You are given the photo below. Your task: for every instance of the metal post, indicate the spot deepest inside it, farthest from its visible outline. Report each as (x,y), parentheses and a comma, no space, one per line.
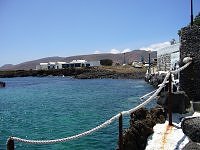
(191,5)
(132,115)
(10,144)
(120,133)
(124,59)
(149,62)
(170,99)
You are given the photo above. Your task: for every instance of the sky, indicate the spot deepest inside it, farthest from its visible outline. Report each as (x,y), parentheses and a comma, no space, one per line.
(33,29)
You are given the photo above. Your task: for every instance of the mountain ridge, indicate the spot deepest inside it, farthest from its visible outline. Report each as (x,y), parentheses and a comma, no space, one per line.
(134,55)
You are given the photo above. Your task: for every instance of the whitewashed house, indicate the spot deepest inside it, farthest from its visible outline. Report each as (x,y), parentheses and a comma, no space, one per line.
(42,66)
(78,63)
(59,65)
(51,65)
(38,67)
(136,64)
(94,63)
(64,65)
(84,63)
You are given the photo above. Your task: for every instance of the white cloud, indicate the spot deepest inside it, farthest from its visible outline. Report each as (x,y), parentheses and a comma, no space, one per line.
(152,47)
(156,46)
(97,52)
(126,50)
(114,51)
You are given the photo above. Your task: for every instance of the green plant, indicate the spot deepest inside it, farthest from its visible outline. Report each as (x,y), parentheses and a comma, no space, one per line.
(106,62)
(197,20)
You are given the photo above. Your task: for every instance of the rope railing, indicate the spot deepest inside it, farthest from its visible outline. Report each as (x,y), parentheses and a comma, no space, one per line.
(147,94)
(103,125)
(106,123)
(149,99)
(188,61)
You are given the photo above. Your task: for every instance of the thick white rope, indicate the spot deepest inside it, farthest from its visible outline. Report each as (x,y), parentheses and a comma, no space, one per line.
(182,68)
(103,125)
(147,94)
(106,123)
(149,99)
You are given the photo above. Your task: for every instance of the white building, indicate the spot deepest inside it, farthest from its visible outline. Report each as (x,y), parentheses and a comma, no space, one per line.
(46,66)
(168,57)
(59,65)
(64,65)
(84,63)
(78,63)
(38,67)
(42,66)
(137,64)
(51,65)
(94,63)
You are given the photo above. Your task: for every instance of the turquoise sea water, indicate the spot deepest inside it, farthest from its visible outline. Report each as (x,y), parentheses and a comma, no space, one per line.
(55,107)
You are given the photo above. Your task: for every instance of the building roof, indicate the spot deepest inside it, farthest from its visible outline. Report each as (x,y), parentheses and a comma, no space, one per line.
(61,62)
(43,63)
(52,63)
(78,61)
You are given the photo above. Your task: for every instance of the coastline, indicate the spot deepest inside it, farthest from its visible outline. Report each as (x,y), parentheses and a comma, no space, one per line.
(114,72)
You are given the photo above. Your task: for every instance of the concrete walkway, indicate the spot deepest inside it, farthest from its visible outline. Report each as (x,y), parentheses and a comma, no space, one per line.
(167,137)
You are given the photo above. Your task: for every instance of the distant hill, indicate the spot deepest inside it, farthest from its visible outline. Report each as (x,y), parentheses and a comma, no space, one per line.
(4,67)
(134,55)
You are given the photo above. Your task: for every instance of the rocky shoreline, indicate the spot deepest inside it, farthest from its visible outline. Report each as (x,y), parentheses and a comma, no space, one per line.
(81,73)
(141,127)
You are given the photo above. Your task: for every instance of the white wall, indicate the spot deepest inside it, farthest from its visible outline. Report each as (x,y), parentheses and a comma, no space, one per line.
(168,49)
(94,63)
(59,65)
(167,57)
(44,66)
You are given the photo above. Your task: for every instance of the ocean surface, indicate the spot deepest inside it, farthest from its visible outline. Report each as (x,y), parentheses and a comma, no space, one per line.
(57,107)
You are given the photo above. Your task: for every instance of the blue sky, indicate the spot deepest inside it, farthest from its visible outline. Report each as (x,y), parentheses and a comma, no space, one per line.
(33,29)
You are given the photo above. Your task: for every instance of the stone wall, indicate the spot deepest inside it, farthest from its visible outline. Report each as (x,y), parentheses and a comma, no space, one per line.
(190,46)
(164,62)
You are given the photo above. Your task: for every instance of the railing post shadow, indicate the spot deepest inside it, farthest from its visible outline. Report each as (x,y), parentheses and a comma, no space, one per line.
(170,99)
(120,132)
(10,144)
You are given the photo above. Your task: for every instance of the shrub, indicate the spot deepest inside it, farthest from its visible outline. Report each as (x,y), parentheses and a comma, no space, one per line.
(106,62)
(197,20)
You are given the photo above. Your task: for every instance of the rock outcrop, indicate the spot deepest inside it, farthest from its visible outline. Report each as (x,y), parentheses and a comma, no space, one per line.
(191,128)
(180,101)
(114,73)
(82,73)
(141,126)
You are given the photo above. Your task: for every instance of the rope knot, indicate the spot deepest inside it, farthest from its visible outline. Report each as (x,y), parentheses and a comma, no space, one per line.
(187,59)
